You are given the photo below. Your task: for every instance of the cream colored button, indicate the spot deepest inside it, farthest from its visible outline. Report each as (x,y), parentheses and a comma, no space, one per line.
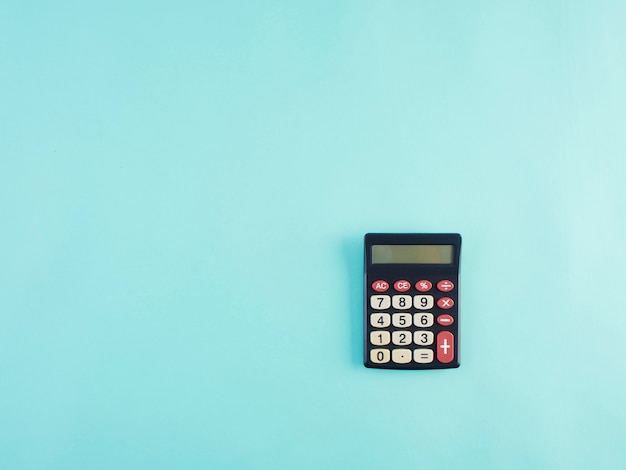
(380,320)
(380,302)
(402,338)
(423,320)
(402,320)
(380,338)
(401,356)
(423,302)
(424,338)
(379,356)
(423,356)
(401,302)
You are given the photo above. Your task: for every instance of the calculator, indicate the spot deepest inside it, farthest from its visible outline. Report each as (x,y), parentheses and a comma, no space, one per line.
(411,304)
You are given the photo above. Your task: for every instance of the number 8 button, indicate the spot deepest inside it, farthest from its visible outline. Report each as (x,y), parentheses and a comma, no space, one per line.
(401,302)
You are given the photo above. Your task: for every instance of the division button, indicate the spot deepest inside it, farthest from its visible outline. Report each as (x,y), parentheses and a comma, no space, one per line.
(380,285)
(423,285)
(445,320)
(445,303)
(402,285)
(445,347)
(445,285)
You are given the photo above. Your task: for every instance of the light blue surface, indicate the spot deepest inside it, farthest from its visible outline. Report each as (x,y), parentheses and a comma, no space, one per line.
(184,188)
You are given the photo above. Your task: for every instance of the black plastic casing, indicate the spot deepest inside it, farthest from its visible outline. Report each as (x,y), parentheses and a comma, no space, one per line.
(413,273)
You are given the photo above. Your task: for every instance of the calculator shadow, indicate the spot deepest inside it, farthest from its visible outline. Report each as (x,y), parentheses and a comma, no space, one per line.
(353,256)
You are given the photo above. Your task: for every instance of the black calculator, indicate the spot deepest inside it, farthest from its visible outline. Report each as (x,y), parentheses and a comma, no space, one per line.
(411,300)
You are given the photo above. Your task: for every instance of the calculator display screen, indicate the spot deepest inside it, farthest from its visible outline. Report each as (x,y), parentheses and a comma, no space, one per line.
(412,254)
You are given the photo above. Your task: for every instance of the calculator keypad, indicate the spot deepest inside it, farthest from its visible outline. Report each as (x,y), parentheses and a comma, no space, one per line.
(412,325)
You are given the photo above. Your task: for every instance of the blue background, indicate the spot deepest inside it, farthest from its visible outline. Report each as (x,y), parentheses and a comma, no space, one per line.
(184,188)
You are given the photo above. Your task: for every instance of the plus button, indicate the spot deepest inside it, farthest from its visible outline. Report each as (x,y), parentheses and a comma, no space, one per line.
(445,347)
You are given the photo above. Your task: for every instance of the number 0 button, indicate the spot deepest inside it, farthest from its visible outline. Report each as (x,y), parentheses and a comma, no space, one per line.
(380,356)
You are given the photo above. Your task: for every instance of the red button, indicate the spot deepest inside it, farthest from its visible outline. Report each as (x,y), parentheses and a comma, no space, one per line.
(445,347)
(402,286)
(423,285)
(380,286)
(445,285)
(445,320)
(445,302)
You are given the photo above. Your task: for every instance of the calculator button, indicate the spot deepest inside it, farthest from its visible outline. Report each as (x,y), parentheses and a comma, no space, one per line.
(401,356)
(401,338)
(401,302)
(423,302)
(380,286)
(423,356)
(423,285)
(445,302)
(445,347)
(402,286)
(423,320)
(380,356)
(445,285)
(424,338)
(402,320)
(380,320)
(445,320)
(380,302)
(380,338)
